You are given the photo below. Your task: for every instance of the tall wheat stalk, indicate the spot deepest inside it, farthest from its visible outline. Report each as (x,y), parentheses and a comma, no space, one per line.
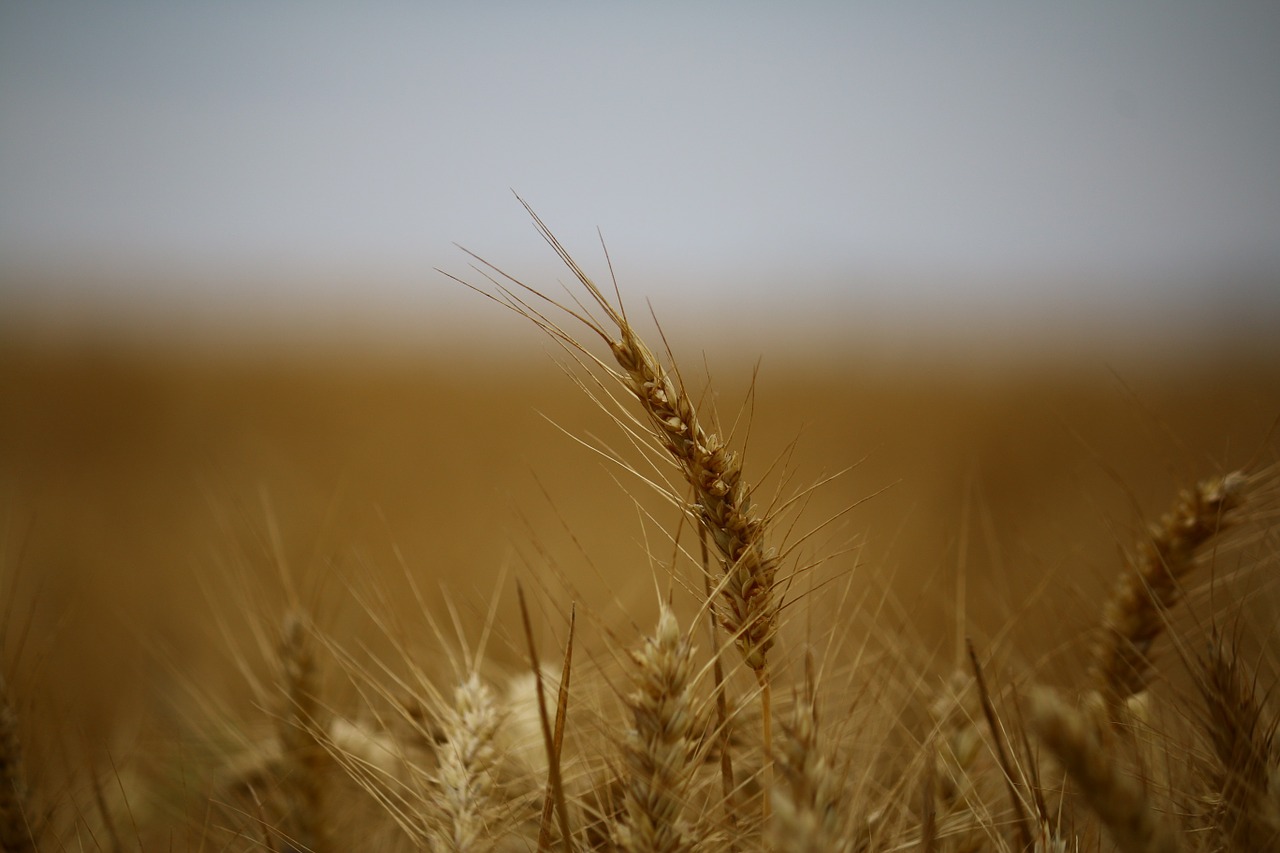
(722,503)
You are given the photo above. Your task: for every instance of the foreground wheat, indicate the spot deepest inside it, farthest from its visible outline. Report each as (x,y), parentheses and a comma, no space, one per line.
(721,504)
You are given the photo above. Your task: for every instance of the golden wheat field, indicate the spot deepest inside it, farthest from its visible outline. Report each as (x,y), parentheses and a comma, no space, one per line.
(795,601)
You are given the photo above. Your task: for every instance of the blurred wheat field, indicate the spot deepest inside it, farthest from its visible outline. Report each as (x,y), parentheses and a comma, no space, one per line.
(155,499)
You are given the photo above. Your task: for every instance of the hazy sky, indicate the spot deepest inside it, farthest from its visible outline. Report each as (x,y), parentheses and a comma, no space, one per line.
(821,143)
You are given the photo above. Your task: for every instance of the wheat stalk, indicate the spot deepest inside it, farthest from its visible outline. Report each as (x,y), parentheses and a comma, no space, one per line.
(722,504)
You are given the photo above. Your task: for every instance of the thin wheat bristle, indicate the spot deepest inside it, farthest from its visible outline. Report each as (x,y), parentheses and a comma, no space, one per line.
(1135,614)
(958,741)
(1078,741)
(662,743)
(552,736)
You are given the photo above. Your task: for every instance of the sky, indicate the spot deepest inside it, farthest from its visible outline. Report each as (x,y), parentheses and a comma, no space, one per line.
(939,154)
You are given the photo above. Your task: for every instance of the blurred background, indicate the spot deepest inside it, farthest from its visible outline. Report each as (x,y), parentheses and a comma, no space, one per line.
(856,164)
(1019,261)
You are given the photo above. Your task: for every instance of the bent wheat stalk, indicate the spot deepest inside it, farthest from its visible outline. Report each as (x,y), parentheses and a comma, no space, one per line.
(721,505)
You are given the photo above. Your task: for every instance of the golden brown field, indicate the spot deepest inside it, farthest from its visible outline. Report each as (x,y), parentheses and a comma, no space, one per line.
(177,523)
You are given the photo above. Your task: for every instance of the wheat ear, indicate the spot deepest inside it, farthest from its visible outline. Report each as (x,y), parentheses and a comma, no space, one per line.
(1135,614)
(1078,740)
(1247,814)
(806,813)
(662,743)
(467,803)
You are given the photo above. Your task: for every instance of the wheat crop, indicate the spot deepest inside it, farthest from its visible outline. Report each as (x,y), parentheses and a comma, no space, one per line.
(809,717)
